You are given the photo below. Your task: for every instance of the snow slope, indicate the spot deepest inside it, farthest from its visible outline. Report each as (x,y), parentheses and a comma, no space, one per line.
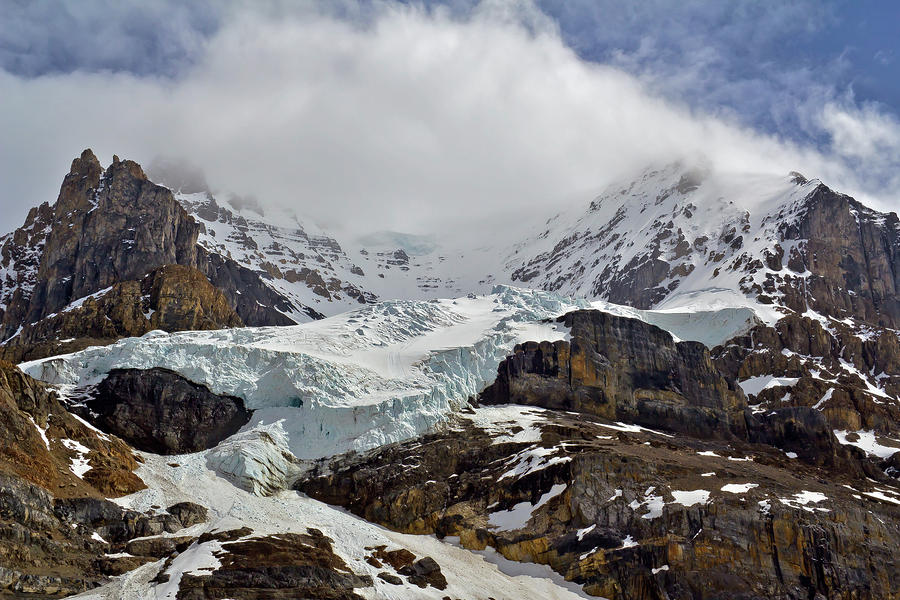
(673,238)
(468,574)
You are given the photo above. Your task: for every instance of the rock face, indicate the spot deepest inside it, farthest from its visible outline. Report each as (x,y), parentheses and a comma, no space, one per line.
(850,374)
(853,256)
(288,565)
(112,227)
(107,227)
(632,514)
(42,443)
(622,368)
(171,298)
(157,410)
(49,459)
(625,369)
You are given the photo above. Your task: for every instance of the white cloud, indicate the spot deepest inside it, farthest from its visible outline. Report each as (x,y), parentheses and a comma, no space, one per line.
(407,121)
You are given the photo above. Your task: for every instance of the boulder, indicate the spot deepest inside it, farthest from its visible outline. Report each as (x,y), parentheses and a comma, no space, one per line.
(157,410)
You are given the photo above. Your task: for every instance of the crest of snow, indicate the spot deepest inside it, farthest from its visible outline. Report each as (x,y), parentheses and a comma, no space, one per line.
(803,498)
(866,440)
(754,385)
(791,454)
(372,376)
(738,488)
(708,453)
(631,428)
(97,537)
(79,464)
(616,494)
(583,532)
(519,515)
(660,569)
(690,498)
(825,398)
(710,474)
(629,542)
(710,327)
(532,460)
(765,506)
(42,432)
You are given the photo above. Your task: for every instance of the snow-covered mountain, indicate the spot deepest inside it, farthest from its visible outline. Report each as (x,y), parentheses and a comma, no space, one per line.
(674,237)
(682,366)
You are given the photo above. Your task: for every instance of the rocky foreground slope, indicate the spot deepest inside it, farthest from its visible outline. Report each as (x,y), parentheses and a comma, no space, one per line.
(648,477)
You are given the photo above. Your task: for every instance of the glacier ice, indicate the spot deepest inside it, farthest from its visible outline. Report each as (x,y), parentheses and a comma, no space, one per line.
(375,375)
(372,376)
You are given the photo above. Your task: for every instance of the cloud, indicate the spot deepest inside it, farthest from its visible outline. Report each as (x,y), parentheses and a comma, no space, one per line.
(396,117)
(158,37)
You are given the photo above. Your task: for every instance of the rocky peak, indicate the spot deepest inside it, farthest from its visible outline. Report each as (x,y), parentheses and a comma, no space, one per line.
(852,254)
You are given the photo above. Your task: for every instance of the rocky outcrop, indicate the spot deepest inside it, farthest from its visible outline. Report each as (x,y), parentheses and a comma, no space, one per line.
(170,298)
(287,565)
(158,410)
(622,368)
(49,460)
(42,443)
(112,227)
(628,370)
(850,373)
(632,514)
(852,255)
(108,227)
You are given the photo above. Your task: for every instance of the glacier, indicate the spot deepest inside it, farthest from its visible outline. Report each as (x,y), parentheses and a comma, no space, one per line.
(375,375)
(372,376)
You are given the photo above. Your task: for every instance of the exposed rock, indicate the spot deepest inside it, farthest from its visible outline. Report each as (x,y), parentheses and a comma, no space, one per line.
(622,368)
(158,547)
(287,565)
(170,298)
(850,372)
(112,227)
(157,410)
(188,513)
(632,515)
(41,442)
(391,579)
(853,254)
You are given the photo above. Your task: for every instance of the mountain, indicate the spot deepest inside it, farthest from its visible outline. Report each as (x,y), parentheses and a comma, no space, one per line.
(686,388)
